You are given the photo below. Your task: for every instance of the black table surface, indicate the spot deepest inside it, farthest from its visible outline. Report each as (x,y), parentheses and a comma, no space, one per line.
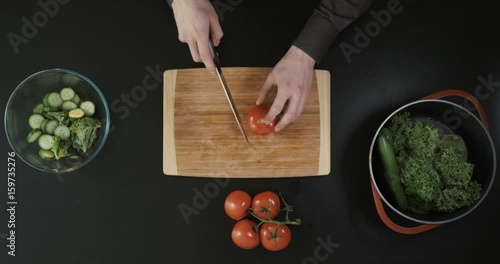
(121,208)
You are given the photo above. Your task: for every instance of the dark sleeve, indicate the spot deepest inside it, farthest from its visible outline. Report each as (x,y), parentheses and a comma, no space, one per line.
(170,2)
(327,21)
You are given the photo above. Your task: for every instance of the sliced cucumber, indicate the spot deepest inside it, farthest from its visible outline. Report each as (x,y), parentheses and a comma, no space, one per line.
(51,126)
(54,100)
(46,141)
(88,108)
(34,135)
(43,124)
(76,113)
(35,120)
(62,132)
(69,105)
(38,109)
(67,93)
(46,154)
(76,99)
(45,100)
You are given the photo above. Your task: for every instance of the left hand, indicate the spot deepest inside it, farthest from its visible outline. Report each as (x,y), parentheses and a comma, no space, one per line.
(293,76)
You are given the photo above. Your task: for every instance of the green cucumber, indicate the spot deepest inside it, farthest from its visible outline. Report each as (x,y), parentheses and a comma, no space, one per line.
(34,135)
(76,99)
(392,174)
(54,100)
(38,109)
(62,132)
(88,108)
(46,154)
(46,141)
(68,105)
(67,93)
(51,126)
(35,120)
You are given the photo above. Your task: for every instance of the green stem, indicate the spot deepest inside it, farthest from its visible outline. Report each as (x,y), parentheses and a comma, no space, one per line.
(287,222)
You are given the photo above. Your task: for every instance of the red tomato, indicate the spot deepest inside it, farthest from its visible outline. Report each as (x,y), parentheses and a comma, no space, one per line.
(266,205)
(245,234)
(275,237)
(237,204)
(255,120)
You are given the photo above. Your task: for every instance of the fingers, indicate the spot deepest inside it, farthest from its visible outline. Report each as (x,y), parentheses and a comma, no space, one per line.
(193,48)
(292,113)
(216,32)
(276,107)
(265,89)
(206,55)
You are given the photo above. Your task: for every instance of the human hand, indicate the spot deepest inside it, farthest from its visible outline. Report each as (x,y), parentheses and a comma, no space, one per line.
(293,76)
(197,21)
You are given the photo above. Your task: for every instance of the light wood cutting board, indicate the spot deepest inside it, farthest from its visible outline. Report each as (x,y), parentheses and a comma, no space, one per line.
(201,137)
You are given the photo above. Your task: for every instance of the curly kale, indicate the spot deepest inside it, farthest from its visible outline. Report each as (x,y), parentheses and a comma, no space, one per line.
(435,172)
(84,132)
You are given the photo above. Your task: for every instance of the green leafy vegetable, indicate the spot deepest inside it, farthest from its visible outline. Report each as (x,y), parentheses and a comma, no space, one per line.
(83,133)
(434,169)
(60,147)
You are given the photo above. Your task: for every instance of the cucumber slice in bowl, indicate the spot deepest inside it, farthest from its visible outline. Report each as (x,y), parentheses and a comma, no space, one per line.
(51,126)
(67,93)
(88,108)
(46,154)
(62,132)
(34,135)
(54,100)
(35,121)
(46,141)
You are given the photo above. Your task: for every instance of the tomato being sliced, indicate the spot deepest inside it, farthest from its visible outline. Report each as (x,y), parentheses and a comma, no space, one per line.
(255,120)
(237,204)
(275,237)
(266,205)
(245,234)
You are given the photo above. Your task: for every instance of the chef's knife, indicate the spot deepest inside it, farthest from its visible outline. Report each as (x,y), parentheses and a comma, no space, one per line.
(226,89)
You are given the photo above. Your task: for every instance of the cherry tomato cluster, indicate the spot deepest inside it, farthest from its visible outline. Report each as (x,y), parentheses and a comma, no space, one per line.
(274,235)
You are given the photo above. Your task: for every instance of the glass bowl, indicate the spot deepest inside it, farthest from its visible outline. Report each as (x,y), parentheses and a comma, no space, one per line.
(20,107)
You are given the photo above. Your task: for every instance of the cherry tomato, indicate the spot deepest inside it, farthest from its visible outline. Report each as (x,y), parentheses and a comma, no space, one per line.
(255,120)
(245,234)
(275,237)
(266,205)
(237,204)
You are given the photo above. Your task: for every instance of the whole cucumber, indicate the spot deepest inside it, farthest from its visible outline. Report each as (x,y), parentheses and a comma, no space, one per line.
(391,167)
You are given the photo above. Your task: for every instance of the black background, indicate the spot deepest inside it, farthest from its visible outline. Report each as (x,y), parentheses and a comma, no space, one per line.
(121,208)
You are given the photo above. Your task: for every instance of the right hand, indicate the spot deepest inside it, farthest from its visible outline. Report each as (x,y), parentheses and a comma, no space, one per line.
(196,22)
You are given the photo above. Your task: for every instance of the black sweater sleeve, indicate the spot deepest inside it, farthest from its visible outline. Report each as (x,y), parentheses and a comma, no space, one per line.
(323,26)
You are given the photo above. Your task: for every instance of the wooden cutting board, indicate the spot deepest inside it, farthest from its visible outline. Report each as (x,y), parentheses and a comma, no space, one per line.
(201,137)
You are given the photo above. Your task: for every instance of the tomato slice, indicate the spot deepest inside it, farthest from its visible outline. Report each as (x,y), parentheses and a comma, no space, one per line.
(275,237)
(245,234)
(255,120)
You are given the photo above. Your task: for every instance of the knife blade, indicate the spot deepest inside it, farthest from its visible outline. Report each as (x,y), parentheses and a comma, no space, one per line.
(226,90)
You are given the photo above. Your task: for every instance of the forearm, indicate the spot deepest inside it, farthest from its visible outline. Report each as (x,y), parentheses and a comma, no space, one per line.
(327,21)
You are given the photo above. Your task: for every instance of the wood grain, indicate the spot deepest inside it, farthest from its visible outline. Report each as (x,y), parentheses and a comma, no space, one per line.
(202,139)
